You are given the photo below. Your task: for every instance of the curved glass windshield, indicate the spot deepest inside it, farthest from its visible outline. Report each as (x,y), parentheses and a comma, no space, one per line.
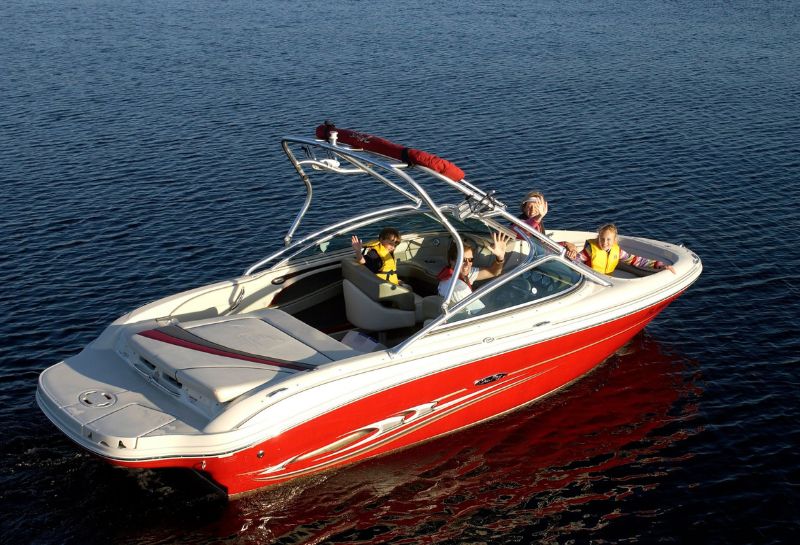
(407,223)
(541,282)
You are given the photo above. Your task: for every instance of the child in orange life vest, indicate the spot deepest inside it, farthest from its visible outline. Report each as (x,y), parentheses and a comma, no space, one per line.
(379,256)
(603,254)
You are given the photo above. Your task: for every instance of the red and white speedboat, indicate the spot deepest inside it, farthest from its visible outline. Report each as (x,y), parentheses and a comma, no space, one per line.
(308,361)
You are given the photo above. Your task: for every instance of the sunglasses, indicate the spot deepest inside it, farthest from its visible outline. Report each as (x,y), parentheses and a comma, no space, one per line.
(393,242)
(468,260)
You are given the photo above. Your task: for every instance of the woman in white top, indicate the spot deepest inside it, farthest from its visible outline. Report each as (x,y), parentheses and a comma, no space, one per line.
(467,272)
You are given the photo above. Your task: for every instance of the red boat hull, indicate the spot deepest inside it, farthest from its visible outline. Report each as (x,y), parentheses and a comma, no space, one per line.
(450,400)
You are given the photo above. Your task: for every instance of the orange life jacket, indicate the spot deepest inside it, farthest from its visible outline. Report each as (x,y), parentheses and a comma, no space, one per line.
(388,270)
(602,261)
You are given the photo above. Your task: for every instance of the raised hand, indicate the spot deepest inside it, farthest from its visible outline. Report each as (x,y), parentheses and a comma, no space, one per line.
(499,241)
(358,247)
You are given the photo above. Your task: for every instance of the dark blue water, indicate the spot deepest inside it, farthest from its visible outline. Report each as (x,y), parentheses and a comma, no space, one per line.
(139,156)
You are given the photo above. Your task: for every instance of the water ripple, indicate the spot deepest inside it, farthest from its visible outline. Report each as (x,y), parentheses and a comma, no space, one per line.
(139,156)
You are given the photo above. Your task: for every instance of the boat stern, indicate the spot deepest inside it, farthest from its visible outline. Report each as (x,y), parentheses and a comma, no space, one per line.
(98,410)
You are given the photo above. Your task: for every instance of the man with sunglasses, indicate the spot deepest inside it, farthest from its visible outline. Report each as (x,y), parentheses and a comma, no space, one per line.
(467,272)
(378,256)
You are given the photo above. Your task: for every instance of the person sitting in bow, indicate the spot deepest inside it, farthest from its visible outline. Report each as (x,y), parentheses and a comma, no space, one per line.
(534,209)
(378,256)
(603,254)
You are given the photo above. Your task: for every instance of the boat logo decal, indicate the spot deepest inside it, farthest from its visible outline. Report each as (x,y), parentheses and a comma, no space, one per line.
(490,378)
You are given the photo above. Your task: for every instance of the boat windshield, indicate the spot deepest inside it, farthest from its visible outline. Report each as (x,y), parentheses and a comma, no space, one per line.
(548,279)
(410,225)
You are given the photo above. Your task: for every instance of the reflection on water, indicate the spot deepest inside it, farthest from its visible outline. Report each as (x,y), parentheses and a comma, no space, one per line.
(542,463)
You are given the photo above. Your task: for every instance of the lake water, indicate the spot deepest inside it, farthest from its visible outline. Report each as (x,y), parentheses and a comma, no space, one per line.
(139,156)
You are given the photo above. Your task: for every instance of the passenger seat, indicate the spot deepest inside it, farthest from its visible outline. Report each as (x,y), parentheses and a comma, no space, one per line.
(373,304)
